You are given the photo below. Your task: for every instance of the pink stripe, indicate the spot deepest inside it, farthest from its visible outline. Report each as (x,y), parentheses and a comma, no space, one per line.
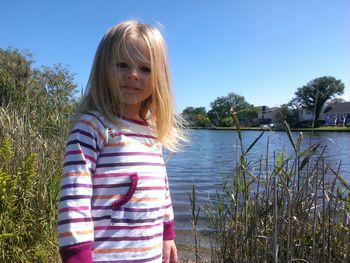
(111,175)
(80,152)
(90,158)
(129,154)
(125,227)
(75,208)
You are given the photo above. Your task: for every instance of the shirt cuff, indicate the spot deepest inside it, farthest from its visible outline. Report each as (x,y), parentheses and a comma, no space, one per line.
(169,231)
(77,253)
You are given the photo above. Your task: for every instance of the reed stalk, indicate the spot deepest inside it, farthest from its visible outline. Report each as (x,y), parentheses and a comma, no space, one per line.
(295,209)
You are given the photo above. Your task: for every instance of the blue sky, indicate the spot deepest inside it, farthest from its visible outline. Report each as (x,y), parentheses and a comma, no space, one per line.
(262,50)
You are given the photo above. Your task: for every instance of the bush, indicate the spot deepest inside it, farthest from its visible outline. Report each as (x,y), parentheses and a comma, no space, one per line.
(34,120)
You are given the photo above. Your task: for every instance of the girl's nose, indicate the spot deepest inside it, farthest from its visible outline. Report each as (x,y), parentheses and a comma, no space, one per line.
(132,73)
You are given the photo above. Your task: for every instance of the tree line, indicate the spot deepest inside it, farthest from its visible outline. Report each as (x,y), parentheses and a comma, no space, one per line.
(53,89)
(310,97)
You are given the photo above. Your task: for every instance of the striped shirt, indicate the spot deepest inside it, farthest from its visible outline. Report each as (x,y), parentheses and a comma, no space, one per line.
(115,204)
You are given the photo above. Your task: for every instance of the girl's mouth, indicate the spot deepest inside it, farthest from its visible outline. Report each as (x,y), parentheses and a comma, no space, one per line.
(130,88)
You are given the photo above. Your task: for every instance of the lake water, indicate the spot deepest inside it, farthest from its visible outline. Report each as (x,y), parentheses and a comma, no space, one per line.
(212,154)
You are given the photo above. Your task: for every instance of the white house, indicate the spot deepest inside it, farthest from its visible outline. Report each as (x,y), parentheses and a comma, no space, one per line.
(267,115)
(305,115)
(337,114)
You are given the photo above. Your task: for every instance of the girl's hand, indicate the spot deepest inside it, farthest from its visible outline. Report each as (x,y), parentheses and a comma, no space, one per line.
(169,251)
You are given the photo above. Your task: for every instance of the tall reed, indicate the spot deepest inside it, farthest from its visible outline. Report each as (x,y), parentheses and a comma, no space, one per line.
(286,207)
(30,170)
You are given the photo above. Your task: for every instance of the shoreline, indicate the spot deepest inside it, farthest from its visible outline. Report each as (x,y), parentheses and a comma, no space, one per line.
(186,249)
(320,129)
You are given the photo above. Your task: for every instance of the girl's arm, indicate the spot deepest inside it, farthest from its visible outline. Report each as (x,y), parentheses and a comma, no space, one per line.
(75,226)
(169,247)
(169,231)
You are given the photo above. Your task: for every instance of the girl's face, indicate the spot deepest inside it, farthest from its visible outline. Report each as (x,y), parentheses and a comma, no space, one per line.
(134,77)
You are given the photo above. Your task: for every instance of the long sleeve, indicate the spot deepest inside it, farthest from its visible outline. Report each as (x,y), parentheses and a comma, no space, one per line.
(75,226)
(169,231)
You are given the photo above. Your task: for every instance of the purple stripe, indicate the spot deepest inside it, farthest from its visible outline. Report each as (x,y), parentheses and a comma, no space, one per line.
(128,238)
(104,165)
(75,186)
(129,154)
(127,209)
(107,207)
(86,145)
(97,117)
(74,197)
(132,260)
(74,220)
(111,185)
(85,133)
(134,221)
(74,163)
(101,218)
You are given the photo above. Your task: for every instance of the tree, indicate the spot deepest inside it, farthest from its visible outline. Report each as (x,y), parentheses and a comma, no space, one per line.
(44,96)
(15,75)
(335,101)
(286,113)
(220,113)
(316,93)
(196,117)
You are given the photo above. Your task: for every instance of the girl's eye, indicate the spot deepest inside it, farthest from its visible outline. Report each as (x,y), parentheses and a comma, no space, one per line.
(122,65)
(145,69)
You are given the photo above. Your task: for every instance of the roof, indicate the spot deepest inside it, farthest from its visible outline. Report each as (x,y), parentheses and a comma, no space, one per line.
(340,107)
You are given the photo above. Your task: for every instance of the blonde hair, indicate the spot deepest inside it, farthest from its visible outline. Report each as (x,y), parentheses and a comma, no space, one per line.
(104,95)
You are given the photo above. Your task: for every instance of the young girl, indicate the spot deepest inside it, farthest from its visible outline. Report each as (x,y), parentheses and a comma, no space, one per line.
(115,204)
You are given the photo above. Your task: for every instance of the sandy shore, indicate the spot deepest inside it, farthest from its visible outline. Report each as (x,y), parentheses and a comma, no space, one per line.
(186,249)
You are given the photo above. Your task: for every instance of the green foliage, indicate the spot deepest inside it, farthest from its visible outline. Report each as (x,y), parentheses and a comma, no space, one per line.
(7,192)
(286,113)
(32,139)
(316,93)
(15,75)
(196,117)
(220,113)
(227,122)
